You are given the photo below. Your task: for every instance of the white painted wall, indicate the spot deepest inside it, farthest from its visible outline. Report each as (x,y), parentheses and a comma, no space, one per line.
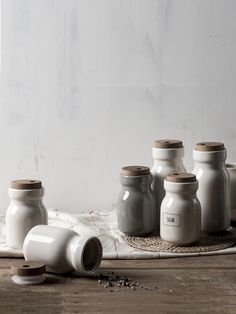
(87,85)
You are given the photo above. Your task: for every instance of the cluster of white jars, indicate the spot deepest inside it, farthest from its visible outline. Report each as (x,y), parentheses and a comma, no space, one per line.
(202,205)
(61,250)
(186,204)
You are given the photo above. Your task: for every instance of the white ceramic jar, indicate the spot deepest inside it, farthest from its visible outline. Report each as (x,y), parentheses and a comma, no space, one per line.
(168,158)
(25,211)
(136,206)
(180,210)
(62,250)
(213,192)
(232,173)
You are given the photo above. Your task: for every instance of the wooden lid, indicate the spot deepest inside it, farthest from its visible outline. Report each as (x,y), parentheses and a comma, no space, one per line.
(23,268)
(181,177)
(135,171)
(168,144)
(209,146)
(26,184)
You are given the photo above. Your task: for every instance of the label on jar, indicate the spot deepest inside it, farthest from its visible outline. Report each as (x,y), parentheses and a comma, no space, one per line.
(171,219)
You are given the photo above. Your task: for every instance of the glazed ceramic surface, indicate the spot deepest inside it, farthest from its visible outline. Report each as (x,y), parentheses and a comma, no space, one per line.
(232,172)
(136,210)
(166,161)
(180,213)
(213,191)
(28,280)
(25,211)
(62,250)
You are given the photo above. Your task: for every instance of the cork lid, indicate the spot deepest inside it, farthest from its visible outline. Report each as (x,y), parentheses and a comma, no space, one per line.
(181,177)
(209,146)
(135,171)
(168,144)
(26,184)
(23,268)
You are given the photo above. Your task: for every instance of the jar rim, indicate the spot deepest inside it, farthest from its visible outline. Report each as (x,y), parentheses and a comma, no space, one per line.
(181,178)
(209,146)
(168,144)
(26,184)
(134,171)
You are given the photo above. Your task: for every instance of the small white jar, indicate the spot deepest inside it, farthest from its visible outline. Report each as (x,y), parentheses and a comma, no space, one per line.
(232,172)
(25,211)
(213,192)
(180,210)
(168,158)
(62,250)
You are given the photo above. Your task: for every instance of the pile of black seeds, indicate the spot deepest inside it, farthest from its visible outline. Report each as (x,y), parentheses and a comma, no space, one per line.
(117,283)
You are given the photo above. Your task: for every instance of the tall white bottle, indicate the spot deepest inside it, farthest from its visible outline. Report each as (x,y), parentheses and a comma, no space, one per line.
(168,159)
(213,191)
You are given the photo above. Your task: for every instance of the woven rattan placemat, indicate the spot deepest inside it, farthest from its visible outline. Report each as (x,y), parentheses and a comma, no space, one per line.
(154,243)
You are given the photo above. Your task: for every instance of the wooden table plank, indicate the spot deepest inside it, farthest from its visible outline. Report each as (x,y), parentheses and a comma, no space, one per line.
(185,285)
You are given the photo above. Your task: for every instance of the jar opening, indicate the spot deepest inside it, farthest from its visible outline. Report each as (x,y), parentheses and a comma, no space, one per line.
(92,255)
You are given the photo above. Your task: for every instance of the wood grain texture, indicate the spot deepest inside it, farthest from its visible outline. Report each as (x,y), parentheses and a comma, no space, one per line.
(185,285)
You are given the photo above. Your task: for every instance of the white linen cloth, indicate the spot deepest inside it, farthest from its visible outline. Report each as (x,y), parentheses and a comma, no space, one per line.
(104,226)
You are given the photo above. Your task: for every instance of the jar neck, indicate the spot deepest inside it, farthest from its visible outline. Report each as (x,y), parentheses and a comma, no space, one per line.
(176,162)
(167,154)
(182,189)
(33,201)
(26,196)
(216,158)
(136,183)
(185,194)
(220,165)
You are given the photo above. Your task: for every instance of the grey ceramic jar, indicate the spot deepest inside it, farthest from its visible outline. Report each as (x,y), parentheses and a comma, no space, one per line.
(136,206)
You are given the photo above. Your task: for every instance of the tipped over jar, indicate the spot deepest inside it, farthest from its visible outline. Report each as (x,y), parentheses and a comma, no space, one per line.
(62,250)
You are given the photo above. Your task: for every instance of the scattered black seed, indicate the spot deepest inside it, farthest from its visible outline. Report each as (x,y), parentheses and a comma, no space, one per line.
(110,280)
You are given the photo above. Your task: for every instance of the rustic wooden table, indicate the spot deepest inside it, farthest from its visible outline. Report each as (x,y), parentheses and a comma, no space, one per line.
(178,285)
